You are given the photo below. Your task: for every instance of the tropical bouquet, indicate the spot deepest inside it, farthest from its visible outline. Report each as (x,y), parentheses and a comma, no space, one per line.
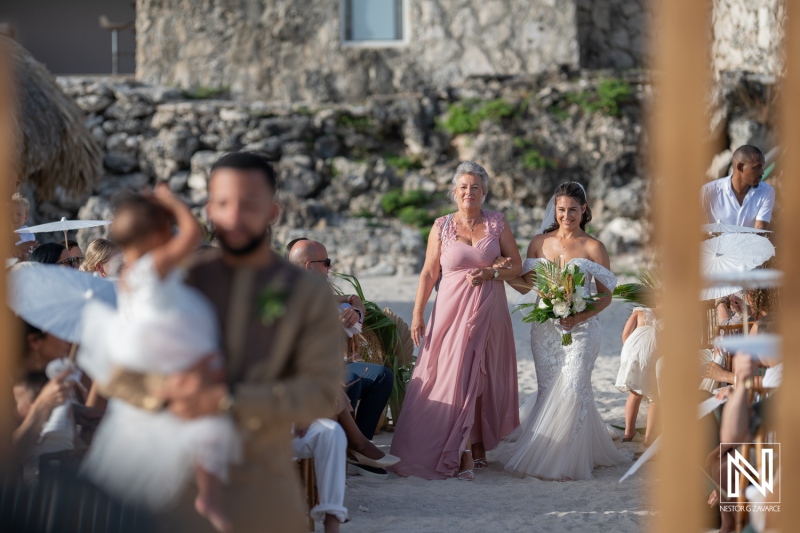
(562,292)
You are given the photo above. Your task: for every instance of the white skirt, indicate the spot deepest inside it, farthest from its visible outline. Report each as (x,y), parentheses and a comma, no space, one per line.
(147,458)
(637,366)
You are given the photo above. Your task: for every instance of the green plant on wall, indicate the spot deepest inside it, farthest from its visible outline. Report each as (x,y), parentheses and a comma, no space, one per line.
(531,158)
(607,97)
(465,116)
(402,162)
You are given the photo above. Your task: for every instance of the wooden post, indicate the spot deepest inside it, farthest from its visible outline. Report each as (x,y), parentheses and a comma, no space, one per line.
(679,156)
(8,348)
(788,433)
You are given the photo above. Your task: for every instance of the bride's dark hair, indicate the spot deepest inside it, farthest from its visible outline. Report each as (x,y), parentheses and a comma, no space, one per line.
(574,190)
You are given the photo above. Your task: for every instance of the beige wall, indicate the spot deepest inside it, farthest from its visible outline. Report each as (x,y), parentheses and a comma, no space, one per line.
(292,51)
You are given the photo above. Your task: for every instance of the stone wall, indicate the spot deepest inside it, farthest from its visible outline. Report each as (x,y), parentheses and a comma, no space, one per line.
(341,164)
(292,52)
(748,36)
(612,33)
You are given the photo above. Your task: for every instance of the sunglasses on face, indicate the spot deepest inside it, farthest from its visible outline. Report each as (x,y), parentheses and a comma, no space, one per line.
(72,262)
(327,262)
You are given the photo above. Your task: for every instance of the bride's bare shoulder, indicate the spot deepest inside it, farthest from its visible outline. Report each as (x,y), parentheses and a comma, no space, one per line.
(535,246)
(596,251)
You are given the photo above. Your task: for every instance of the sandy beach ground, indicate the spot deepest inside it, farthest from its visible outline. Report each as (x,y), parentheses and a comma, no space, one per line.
(497,501)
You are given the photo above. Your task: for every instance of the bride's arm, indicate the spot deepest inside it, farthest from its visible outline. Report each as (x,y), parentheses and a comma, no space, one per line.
(524,283)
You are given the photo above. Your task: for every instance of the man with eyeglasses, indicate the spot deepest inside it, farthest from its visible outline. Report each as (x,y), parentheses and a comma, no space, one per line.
(370,384)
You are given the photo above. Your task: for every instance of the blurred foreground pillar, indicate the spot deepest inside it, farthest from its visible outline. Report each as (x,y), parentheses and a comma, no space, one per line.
(679,155)
(8,348)
(788,251)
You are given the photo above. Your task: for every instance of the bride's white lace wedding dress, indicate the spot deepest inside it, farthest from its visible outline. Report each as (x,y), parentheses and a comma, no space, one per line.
(561,435)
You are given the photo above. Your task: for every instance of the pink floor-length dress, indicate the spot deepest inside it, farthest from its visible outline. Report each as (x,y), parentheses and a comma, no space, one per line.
(465,380)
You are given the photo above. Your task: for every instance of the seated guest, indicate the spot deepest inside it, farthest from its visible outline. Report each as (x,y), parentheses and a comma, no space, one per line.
(741,199)
(54,253)
(729,310)
(24,242)
(75,250)
(46,424)
(103,259)
(369,386)
(325,442)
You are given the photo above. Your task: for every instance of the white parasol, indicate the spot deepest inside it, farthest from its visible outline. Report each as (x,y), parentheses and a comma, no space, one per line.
(760,278)
(732,252)
(761,345)
(718,228)
(65,226)
(52,297)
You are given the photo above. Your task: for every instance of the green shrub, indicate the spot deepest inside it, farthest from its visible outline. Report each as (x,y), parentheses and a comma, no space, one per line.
(402,162)
(466,116)
(533,160)
(607,97)
(394,201)
(460,118)
(415,216)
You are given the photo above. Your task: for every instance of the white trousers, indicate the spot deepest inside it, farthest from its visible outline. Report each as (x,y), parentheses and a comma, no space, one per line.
(326,444)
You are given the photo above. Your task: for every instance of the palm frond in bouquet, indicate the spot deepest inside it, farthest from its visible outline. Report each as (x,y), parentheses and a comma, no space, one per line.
(562,292)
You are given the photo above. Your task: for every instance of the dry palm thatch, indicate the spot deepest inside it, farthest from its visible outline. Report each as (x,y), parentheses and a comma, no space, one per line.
(53,147)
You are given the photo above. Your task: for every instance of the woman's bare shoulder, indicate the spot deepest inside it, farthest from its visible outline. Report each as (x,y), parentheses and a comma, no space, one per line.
(536,244)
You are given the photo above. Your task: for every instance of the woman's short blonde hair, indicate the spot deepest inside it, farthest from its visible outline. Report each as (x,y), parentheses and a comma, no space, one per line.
(98,252)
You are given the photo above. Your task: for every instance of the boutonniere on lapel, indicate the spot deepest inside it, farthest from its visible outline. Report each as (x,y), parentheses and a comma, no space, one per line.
(271,303)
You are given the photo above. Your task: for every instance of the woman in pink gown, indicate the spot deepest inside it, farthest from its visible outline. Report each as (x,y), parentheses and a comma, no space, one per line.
(462,398)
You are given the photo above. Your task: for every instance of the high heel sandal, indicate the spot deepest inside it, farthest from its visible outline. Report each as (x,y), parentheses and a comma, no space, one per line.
(467,475)
(481,463)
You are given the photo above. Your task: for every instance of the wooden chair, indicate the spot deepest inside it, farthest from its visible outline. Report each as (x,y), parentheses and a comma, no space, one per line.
(733,329)
(309,480)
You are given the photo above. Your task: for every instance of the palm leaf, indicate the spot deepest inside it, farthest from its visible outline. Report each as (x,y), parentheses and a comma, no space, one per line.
(642,293)
(386,330)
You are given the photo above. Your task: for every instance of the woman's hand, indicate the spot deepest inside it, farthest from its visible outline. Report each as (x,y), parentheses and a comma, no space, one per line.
(478,275)
(54,393)
(503,263)
(348,318)
(571,321)
(417,330)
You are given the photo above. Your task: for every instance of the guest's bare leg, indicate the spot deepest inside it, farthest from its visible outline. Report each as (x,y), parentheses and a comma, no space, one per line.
(331,524)
(476,436)
(209,501)
(465,469)
(631,412)
(355,439)
(651,424)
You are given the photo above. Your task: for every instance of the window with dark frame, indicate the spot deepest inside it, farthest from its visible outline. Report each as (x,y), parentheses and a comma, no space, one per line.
(372,20)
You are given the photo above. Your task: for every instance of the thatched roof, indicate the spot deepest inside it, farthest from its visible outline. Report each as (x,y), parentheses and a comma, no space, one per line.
(53,147)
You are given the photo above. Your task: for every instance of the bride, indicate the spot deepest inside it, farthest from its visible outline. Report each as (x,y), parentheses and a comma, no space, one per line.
(561,435)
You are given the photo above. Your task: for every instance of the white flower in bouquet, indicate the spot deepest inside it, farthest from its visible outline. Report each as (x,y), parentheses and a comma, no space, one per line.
(578,304)
(572,269)
(561,309)
(582,291)
(542,304)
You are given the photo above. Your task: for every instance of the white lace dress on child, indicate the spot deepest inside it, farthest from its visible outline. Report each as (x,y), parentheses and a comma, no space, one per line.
(637,366)
(162,326)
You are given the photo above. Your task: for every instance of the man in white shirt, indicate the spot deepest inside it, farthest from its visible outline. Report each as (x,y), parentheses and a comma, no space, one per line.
(741,198)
